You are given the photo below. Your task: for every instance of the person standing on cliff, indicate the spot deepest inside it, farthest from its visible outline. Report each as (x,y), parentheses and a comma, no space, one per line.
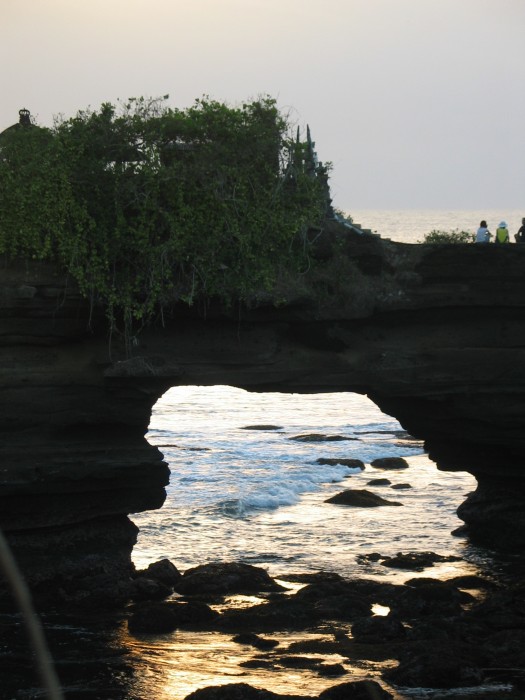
(520,236)
(502,233)
(483,234)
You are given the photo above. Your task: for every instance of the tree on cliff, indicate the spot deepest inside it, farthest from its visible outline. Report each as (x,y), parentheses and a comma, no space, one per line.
(146,204)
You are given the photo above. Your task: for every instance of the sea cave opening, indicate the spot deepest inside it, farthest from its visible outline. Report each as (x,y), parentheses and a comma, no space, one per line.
(251,474)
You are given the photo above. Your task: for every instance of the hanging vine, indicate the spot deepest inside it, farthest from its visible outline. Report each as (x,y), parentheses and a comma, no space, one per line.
(146,205)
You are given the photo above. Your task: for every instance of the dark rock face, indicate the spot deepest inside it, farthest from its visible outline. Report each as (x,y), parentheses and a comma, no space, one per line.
(435,335)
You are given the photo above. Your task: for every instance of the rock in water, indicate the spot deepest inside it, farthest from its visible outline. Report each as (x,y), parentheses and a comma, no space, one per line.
(361,498)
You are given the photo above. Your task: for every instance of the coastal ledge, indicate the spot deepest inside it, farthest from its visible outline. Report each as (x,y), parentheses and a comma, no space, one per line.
(433,334)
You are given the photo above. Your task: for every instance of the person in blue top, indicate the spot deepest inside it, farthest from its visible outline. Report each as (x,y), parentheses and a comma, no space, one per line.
(502,233)
(483,234)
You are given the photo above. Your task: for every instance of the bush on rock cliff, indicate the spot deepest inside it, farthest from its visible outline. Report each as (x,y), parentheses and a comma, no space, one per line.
(145,204)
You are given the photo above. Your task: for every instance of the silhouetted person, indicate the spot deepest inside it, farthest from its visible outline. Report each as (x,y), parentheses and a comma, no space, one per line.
(483,234)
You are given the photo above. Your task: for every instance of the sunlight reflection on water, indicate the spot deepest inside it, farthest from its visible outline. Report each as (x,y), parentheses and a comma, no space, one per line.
(259,496)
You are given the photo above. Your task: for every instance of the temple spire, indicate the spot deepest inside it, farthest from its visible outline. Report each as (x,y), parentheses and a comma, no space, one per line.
(24,117)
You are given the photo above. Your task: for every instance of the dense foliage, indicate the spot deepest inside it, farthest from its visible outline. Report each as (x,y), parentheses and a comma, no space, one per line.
(145,204)
(455,236)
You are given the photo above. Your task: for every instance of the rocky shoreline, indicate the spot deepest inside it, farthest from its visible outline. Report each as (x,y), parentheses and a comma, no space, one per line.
(347,638)
(466,632)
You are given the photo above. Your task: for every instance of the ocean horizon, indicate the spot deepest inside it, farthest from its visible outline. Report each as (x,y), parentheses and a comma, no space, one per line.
(411,225)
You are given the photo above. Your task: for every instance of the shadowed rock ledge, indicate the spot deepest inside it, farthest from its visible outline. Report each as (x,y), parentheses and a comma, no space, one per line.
(434,334)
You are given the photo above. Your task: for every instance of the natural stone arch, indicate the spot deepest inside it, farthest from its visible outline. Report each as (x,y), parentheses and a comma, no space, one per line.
(434,335)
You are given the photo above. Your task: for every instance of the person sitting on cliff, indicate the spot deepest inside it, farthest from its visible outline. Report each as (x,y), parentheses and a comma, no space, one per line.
(520,236)
(483,234)
(502,233)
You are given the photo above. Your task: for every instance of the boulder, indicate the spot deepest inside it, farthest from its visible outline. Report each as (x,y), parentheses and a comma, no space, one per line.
(378,629)
(440,665)
(389,463)
(319,437)
(360,498)
(356,690)
(220,578)
(254,640)
(416,561)
(148,589)
(347,462)
(163,571)
(232,691)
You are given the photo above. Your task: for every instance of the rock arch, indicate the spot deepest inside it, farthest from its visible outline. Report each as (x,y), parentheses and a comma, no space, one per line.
(433,334)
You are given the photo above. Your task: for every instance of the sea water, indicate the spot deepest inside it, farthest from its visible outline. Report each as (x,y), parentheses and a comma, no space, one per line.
(411,225)
(247,485)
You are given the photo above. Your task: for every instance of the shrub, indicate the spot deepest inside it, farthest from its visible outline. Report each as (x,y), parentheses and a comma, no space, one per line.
(146,205)
(455,236)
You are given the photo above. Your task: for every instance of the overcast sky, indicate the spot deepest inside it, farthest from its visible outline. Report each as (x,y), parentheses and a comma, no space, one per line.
(417,103)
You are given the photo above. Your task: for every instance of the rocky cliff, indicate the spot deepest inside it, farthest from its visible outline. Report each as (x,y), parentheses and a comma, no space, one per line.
(434,334)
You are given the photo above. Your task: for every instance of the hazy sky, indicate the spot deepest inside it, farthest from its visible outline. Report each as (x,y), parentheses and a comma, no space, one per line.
(417,103)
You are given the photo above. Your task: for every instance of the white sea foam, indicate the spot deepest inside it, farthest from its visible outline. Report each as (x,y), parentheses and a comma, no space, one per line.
(258,496)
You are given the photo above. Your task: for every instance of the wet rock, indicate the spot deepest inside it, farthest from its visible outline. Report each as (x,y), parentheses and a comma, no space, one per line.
(346,462)
(306,662)
(319,437)
(341,608)
(257,663)
(163,571)
(378,482)
(355,690)
(315,577)
(471,581)
(428,583)
(326,600)
(389,463)
(148,589)
(159,618)
(320,590)
(284,614)
(255,641)
(262,427)
(378,629)
(372,557)
(442,665)
(429,630)
(431,599)
(334,600)
(400,487)
(506,649)
(416,561)
(504,609)
(361,498)
(225,578)
(331,670)
(233,691)
(104,593)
